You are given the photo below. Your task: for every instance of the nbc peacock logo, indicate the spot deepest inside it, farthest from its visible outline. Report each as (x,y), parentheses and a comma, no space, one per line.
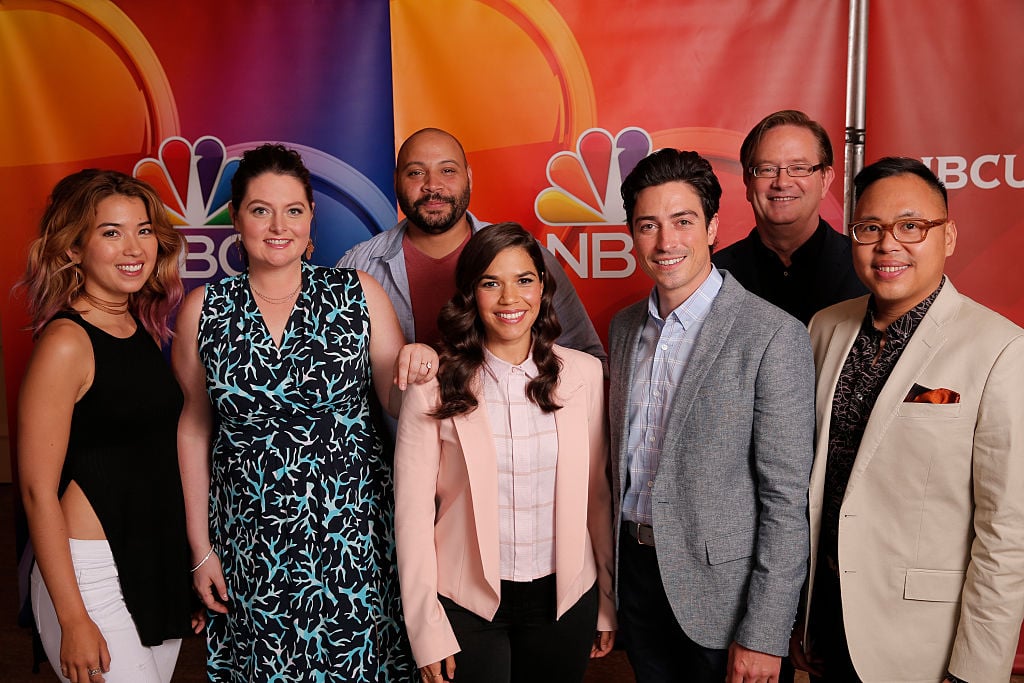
(585,184)
(584,203)
(194,183)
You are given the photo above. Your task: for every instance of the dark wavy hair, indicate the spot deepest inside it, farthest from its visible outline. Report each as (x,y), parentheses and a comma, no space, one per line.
(52,280)
(462,332)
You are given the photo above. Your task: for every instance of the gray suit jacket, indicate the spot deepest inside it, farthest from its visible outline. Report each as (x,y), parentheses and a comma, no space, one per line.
(730,495)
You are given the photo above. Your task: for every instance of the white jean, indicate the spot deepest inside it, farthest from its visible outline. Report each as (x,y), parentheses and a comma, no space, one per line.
(130,660)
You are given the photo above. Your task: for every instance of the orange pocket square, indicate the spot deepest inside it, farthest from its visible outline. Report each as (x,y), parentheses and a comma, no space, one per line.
(920,394)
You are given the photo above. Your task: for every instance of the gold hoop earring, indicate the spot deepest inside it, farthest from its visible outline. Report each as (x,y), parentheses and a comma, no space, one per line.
(239,248)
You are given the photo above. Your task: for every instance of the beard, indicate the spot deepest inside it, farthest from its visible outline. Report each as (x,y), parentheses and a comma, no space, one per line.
(435,223)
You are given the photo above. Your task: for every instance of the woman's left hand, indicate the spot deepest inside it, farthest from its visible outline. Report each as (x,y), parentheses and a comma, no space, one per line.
(198,620)
(439,672)
(416,364)
(604,641)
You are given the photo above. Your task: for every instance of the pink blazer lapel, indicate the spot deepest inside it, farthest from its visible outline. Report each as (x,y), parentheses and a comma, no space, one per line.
(571,481)
(477,444)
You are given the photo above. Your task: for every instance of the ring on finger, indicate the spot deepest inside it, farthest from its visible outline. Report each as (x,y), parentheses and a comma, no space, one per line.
(95,672)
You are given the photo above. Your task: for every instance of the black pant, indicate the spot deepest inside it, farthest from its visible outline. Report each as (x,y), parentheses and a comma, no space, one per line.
(659,651)
(826,624)
(524,642)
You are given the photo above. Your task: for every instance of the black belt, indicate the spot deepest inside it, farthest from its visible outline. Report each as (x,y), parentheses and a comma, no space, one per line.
(641,533)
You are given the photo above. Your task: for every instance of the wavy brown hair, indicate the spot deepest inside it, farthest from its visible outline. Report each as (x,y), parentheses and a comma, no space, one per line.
(462,332)
(52,280)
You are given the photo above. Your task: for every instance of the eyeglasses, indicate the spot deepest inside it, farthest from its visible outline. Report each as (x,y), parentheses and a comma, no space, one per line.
(905,230)
(793,170)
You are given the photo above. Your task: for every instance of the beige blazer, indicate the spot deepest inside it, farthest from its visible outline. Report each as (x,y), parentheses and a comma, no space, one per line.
(446,511)
(931,531)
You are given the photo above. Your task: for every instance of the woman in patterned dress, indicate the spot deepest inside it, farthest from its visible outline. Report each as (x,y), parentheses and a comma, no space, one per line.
(290,517)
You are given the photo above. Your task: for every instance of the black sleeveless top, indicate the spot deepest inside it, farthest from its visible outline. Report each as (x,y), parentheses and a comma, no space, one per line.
(122,453)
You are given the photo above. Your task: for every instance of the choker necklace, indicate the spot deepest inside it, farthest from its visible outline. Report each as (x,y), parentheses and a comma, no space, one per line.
(275,300)
(110,307)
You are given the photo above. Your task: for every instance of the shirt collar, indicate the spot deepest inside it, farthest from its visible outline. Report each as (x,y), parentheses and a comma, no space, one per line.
(808,252)
(696,306)
(498,368)
(904,325)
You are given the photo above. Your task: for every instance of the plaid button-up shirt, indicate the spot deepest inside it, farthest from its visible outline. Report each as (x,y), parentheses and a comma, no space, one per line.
(662,353)
(526,443)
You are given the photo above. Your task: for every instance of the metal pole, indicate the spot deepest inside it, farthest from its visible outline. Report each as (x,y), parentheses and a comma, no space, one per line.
(856,81)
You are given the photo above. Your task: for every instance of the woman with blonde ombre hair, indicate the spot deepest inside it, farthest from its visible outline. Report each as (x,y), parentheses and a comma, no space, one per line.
(97,419)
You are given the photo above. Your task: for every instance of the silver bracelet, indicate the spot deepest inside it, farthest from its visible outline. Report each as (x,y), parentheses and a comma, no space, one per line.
(202,561)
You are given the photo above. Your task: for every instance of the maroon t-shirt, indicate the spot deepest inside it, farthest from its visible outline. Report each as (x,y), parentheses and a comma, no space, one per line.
(431,285)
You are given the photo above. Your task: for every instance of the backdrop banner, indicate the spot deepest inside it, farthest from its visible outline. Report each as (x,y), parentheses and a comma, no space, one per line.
(954,100)
(174,92)
(941,87)
(556,102)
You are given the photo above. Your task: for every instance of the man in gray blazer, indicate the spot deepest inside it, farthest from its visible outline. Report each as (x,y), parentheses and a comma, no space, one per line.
(712,427)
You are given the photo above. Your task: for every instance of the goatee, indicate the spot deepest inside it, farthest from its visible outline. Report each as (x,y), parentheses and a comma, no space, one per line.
(436,223)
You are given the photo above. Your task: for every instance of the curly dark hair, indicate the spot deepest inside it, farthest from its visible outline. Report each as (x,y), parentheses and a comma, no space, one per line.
(462,332)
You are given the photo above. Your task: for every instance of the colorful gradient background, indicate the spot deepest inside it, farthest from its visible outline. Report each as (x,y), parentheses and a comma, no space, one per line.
(525,84)
(539,92)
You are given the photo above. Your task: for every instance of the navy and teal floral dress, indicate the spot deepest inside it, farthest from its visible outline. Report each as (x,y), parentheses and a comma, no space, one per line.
(301,499)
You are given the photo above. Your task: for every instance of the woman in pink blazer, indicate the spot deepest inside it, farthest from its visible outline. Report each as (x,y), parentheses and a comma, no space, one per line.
(503,511)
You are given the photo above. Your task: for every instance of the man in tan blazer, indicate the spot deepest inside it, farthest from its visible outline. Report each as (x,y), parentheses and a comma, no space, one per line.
(917,489)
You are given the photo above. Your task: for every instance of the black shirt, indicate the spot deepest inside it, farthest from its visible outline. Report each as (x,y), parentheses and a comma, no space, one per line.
(867,368)
(122,453)
(820,273)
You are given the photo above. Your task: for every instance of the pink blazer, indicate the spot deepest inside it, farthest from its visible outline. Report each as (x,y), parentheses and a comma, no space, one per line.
(446,516)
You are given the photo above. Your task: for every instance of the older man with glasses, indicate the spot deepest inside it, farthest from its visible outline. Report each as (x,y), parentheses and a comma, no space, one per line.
(917,488)
(792,257)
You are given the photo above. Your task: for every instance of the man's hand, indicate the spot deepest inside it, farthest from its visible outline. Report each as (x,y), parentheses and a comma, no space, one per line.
(750,666)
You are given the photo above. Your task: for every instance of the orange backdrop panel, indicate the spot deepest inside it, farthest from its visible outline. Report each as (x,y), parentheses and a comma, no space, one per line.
(520,82)
(944,85)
